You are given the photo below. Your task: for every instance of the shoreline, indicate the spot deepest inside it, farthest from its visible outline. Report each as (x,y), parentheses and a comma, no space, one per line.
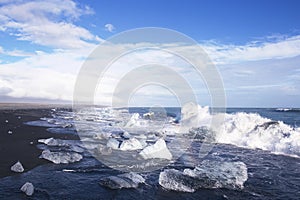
(20,145)
(26,106)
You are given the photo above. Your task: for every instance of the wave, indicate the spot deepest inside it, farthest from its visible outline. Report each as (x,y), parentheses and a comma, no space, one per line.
(287,109)
(249,130)
(253,131)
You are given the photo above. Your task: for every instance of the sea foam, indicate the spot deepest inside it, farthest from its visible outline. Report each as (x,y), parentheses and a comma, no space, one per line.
(251,130)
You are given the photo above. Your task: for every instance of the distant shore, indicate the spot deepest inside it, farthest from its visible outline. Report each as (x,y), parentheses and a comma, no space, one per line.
(13,106)
(17,140)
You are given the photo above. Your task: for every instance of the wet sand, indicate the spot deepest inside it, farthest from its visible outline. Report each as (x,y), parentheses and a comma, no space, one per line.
(17,145)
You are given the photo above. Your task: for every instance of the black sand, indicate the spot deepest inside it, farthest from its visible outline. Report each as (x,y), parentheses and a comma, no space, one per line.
(17,145)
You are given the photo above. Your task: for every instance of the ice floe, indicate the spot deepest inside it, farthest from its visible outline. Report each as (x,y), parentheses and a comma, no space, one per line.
(136,121)
(158,150)
(61,157)
(113,143)
(148,115)
(131,144)
(17,167)
(102,135)
(126,135)
(173,179)
(127,180)
(52,142)
(103,150)
(28,189)
(209,174)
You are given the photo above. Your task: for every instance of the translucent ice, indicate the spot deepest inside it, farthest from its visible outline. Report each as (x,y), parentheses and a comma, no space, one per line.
(136,121)
(127,180)
(209,174)
(61,157)
(131,144)
(157,150)
(52,142)
(17,167)
(113,143)
(126,135)
(231,175)
(173,179)
(28,189)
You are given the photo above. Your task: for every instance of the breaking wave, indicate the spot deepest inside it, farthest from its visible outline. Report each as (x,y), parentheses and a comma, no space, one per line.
(251,130)
(287,110)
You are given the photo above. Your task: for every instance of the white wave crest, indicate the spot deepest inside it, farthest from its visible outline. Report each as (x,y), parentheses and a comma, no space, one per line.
(253,131)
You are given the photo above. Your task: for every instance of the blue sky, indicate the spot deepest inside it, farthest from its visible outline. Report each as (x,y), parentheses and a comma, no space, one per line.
(230,21)
(254,44)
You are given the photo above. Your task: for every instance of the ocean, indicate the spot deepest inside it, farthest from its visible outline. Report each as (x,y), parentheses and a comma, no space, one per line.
(264,140)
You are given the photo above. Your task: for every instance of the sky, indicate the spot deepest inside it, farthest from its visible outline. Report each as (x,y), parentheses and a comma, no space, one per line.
(254,44)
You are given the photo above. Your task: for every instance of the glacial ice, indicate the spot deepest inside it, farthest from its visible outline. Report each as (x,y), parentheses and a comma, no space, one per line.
(72,145)
(103,150)
(126,135)
(157,150)
(231,175)
(61,157)
(52,142)
(17,167)
(148,115)
(131,144)
(136,121)
(28,189)
(209,174)
(76,149)
(113,143)
(127,180)
(172,179)
(134,177)
(249,130)
(102,135)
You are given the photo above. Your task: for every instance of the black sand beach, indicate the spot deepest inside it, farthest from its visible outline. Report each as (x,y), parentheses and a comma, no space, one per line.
(17,140)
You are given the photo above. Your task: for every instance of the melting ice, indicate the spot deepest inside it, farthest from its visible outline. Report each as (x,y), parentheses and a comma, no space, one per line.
(209,174)
(125,131)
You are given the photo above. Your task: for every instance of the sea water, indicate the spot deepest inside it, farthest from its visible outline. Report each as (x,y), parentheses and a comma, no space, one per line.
(265,140)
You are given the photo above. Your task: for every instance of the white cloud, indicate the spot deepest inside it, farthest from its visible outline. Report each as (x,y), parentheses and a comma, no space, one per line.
(48,23)
(283,47)
(52,75)
(43,75)
(109,27)
(16,53)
